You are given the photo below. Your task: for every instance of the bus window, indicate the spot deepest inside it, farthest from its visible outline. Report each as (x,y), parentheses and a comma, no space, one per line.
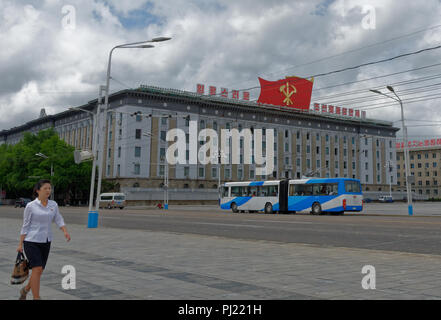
(273,191)
(332,189)
(352,186)
(263,191)
(252,191)
(301,190)
(235,191)
(225,192)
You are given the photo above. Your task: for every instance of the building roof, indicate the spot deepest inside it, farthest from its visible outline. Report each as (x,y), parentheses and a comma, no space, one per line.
(175,94)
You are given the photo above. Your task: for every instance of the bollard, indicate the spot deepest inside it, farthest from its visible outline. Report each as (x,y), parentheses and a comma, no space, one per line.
(92,221)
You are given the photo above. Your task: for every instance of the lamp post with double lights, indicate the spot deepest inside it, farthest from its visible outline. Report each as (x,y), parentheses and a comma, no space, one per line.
(406,147)
(133,45)
(52,173)
(95,125)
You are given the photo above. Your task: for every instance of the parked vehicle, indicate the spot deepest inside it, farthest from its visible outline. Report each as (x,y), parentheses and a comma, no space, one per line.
(112,200)
(22,202)
(385,199)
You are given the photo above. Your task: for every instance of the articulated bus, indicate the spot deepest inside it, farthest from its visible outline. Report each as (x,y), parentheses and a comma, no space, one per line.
(314,195)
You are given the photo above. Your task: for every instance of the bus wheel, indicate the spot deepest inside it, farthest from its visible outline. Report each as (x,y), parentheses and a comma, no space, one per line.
(234,207)
(316,208)
(268,208)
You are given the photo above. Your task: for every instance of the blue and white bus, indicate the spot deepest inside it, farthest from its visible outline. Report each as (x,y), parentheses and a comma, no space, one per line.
(314,195)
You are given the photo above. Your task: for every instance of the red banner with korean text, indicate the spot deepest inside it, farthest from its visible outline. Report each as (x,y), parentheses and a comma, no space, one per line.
(293,92)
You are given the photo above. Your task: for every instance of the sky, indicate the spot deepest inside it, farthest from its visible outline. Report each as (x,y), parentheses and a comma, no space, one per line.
(54,54)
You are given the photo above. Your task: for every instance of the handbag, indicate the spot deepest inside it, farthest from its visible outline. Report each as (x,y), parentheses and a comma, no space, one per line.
(21,269)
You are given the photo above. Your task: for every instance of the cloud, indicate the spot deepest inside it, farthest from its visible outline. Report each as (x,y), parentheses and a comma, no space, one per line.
(223,43)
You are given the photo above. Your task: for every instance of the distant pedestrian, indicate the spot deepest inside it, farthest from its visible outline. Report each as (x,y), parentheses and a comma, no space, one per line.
(36,234)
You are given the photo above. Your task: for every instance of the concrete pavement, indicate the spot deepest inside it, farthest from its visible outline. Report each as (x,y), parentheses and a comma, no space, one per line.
(115,263)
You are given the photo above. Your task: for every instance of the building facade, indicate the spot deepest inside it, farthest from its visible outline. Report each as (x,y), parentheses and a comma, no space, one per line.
(331,145)
(425,167)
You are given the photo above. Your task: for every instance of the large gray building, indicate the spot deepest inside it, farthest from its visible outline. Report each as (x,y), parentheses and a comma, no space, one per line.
(305,142)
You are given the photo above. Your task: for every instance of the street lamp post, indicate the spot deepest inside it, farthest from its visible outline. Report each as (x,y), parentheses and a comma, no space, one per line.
(140,44)
(52,173)
(406,148)
(92,219)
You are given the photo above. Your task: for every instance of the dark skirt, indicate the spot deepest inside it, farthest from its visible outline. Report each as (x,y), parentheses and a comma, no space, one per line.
(37,253)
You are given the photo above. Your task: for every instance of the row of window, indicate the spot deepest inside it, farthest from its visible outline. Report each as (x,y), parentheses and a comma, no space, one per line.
(419,165)
(418,156)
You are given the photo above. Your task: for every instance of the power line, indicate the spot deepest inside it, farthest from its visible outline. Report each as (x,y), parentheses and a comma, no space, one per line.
(353,50)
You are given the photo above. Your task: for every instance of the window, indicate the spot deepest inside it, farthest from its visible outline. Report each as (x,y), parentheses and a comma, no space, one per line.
(138,116)
(137,152)
(186,171)
(110,152)
(164,120)
(201,172)
(327,138)
(327,150)
(434,155)
(215,125)
(118,170)
(308,163)
(307,136)
(138,134)
(308,149)
(202,124)
(119,152)
(419,156)
(286,147)
(298,134)
(227,173)
(137,168)
(426,155)
(161,170)
(163,135)
(239,173)
(162,153)
(251,174)
(286,133)
(187,121)
(318,150)
(298,148)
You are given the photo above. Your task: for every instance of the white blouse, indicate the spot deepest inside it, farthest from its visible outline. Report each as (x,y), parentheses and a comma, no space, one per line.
(37,220)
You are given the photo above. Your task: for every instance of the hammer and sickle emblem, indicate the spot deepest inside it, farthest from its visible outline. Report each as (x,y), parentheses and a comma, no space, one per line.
(285,90)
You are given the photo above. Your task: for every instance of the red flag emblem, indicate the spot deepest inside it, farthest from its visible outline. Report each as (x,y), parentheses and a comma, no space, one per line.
(293,92)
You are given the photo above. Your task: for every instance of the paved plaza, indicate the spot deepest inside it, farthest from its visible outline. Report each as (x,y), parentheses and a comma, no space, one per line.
(115,263)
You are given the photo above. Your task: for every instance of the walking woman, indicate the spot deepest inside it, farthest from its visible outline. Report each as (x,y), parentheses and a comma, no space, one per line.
(36,234)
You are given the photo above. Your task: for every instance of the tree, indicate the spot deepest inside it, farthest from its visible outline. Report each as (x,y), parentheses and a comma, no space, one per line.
(20,168)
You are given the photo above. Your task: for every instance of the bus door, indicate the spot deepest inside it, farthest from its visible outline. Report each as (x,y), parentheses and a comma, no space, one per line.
(283,195)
